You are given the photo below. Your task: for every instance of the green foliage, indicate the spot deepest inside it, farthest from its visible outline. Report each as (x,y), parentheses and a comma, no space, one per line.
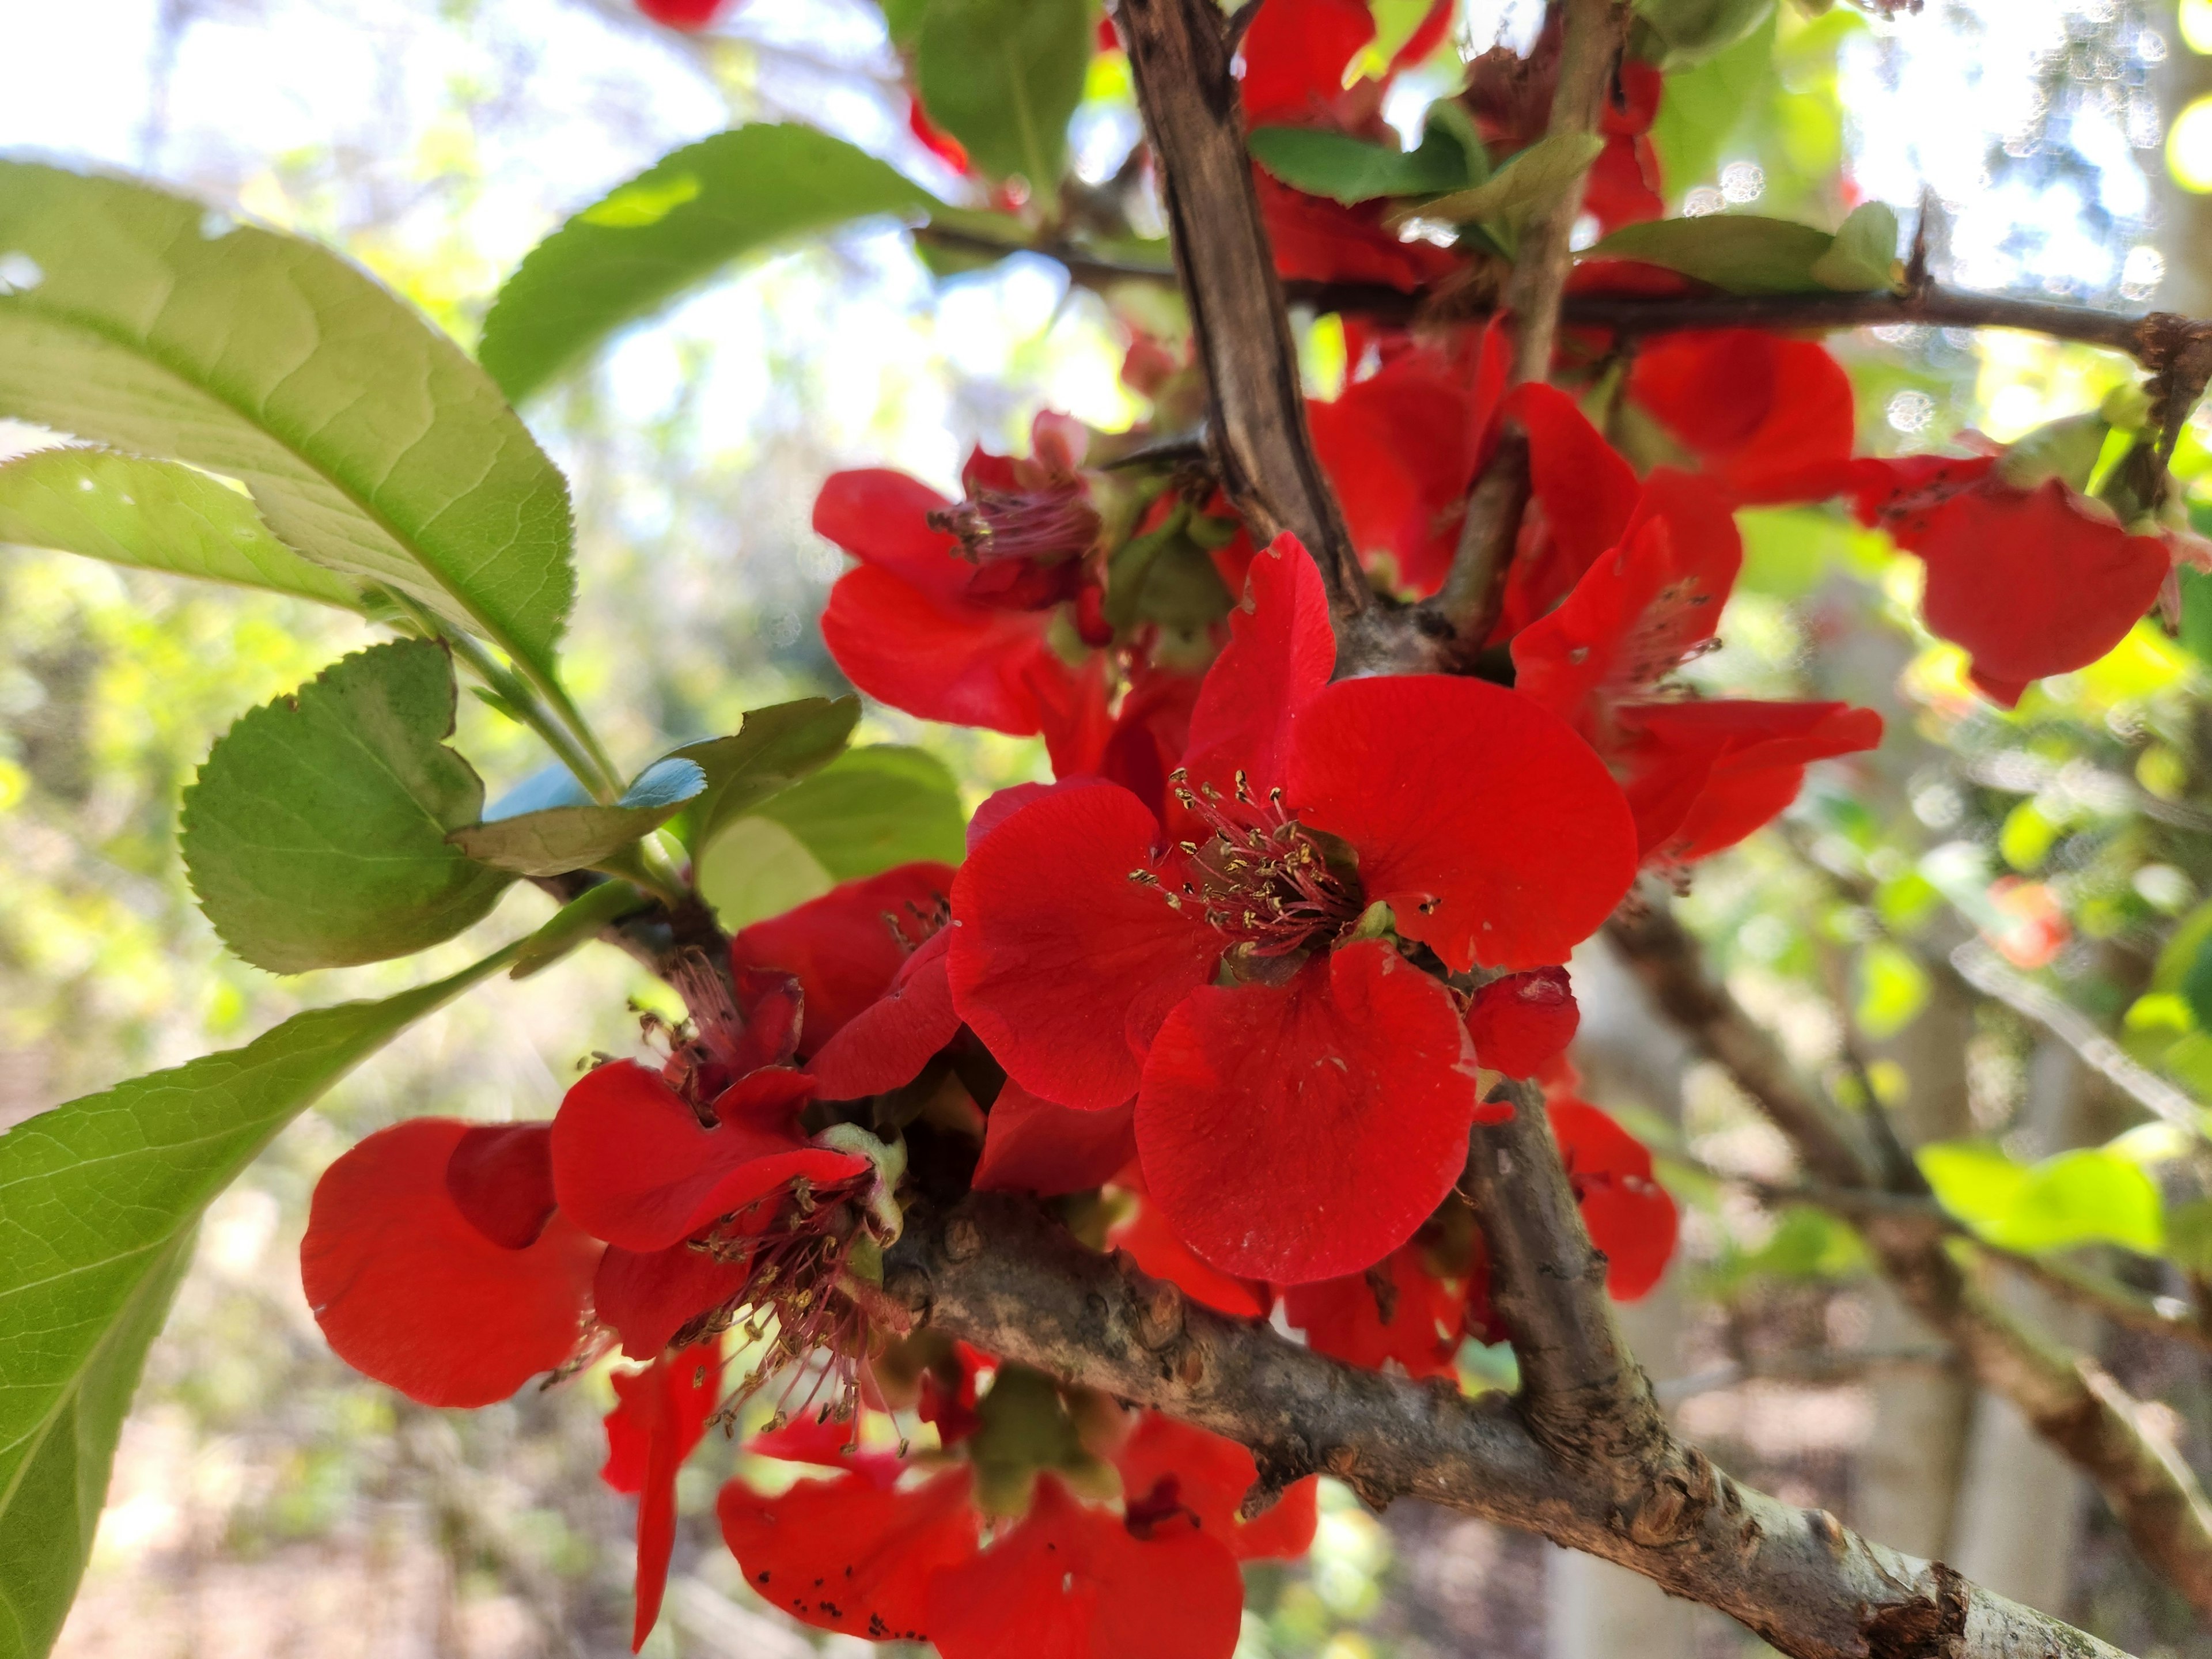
(98,1200)
(1003,76)
(2196,611)
(371,445)
(771,750)
(1348,170)
(577,922)
(872,808)
(315,835)
(2084,1197)
(1745,254)
(1891,988)
(158,515)
(1678,33)
(1864,255)
(532,838)
(1524,182)
(678,223)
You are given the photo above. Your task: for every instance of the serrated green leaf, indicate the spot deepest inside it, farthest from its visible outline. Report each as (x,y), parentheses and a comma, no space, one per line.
(551,840)
(372,446)
(157,515)
(2083,1197)
(98,1200)
(1862,257)
(1348,169)
(315,835)
(1740,252)
(1523,183)
(686,217)
(771,750)
(872,808)
(1003,76)
(579,919)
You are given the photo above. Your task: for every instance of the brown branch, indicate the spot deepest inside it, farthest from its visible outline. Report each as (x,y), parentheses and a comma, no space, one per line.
(995,1272)
(1179,57)
(2070,1402)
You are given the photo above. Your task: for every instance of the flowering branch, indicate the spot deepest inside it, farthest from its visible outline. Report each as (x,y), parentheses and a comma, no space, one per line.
(996,1272)
(2071,1402)
(1179,56)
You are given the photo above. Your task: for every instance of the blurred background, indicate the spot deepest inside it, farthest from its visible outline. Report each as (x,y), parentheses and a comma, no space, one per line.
(267,1501)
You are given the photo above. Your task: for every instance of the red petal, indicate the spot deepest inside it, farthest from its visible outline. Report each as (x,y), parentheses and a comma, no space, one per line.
(1343,1319)
(1295,54)
(409,1291)
(1061,963)
(1586,493)
(2029,584)
(681,14)
(1513,876)
(1070,1582)
(501,1175)
(1211,1477)
(633,1166)
(1301,1131)
(888,1043)
(1319,241)
(1030,1145)
(1753,408)
(1630,1216)
(1706,774)
(939,656)
(1151,1241)
(660,1414)
(846,946)
(846,1555)
(882,517)
(1521,1023)
(1281,651)
(649,1297)
(808,1438)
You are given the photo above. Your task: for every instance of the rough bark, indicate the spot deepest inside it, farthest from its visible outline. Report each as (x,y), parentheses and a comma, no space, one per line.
(996,1272)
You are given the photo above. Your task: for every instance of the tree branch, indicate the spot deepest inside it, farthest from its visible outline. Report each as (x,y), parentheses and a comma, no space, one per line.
(1179,56)
(995,1272)
(2072,1403)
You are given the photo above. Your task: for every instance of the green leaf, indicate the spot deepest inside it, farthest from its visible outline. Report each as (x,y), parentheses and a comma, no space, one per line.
(872,808)
(1862,257)
(1348,170)
(579,919)
(771,750)
(638,248)
(2084,1197)
(98,1200)
(534,840)
(315,835)
(1679,35)
(1524,181)
(1003,76)
(1739,252)
(2196,611)
(371,445)
(1891,989)
(2066,448)
(157,515)
(755,869)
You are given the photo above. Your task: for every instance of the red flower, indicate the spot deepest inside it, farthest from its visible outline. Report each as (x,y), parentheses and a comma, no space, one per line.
(1582,495)
(1151,1241)
(1522,1022)
(1032,1144)
(1703,775)
(688,14)
(1074,1582)
(1397,1309)
(410,1288)
(1169,1465)
(2029,582)
(1622,186)
(1299,1122)
(1629,1217)
(660,1414)
(847,947)
(1760,413)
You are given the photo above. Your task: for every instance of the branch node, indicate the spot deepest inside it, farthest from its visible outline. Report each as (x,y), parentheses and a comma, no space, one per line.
(1932,1626)
(963,1240)
(1159,1315)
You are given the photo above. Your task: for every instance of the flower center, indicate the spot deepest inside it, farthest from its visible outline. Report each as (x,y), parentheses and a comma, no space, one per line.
(1262,879)
(1050,525)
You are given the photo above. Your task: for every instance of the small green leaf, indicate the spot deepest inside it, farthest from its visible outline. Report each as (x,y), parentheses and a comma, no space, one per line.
(579,919)
(1348,170)
(686,217)
(2084,1197)
(2066,449)
(371,446)
(1892,988)
(1739,252)
(1524,182)
(532,839)
(2196,611)
(1864,255)
(1003,76)
(872,808)
(755,869)
(315,835)
(771,750)
(1679,35)
(157,515)
(98,1200)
